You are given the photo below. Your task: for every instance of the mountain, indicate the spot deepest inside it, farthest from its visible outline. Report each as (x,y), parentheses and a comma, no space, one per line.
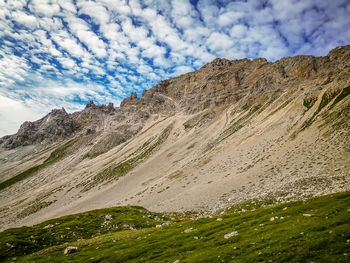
(230,132)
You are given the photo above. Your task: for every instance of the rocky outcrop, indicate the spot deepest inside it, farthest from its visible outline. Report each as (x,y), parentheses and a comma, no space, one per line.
(56,125)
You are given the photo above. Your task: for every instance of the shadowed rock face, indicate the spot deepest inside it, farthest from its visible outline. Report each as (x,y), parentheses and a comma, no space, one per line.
(56,125)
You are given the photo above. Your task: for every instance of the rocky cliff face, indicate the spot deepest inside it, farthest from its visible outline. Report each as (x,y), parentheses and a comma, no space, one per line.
(229,132)
(56,125)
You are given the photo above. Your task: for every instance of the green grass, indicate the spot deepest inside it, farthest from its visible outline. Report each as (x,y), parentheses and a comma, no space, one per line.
(344,93)
(309,102)
(35,207)
(199,120)
(56,155)
(26,240)
(326,98)
(293,235)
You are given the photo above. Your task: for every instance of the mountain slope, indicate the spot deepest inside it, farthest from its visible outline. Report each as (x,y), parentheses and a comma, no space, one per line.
(230,132)
(316,230)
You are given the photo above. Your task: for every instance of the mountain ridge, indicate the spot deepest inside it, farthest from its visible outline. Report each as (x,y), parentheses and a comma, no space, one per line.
(230,132)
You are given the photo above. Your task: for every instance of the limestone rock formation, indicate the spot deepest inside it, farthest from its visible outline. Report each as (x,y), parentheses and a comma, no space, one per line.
(56,125)
(227,133)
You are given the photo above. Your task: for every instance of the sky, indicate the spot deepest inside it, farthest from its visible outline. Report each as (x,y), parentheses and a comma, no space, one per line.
(63,53)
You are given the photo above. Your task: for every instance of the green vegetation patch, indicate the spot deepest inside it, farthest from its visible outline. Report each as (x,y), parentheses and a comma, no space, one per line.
(35,207)
(316,230)
(309,102)
(344,93)
(26,240)
(240,123)
(56,155)
(199,120)
(122,168)
(326,98)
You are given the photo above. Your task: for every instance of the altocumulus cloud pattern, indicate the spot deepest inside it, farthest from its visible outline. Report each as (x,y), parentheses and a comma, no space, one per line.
(56,53)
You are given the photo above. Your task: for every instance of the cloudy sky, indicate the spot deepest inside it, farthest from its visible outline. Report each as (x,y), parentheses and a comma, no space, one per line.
(62,53)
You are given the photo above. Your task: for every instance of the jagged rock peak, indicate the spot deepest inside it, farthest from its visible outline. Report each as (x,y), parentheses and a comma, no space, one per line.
(90,104)
(56,112)
(340,52)
(130,100)
(57,124)
(218,62)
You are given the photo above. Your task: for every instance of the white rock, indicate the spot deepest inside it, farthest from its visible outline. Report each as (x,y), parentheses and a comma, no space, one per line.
(272,219)
(158,226)
(108,217)
(308,215)
(188,230)
(219,219)
(70,250)
(177,261)
(232,234)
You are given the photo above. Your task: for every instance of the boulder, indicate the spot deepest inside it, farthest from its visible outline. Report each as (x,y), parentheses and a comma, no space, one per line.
(70,250)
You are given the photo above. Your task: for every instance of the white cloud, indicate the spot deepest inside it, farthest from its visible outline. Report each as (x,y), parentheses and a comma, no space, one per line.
(144,69)
(182,70)
(67,5)
(94,10)
(29,21)
(66,62)
(218,41)
(68,43)
(228,18)
(89,38)
(44,7)
(12,69)
(13,113)
(238,31)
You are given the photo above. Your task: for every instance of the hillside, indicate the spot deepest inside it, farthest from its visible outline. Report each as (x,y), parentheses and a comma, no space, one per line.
(313,231)
(231,132)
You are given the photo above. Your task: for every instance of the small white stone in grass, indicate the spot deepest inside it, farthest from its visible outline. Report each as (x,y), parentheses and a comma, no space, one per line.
(261,225)
(232,234)
(195,237)
(285,208)
(307,215)
(70,250)
(219,219)
(158,226)
(188,230)
(177,261)
(272,219)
